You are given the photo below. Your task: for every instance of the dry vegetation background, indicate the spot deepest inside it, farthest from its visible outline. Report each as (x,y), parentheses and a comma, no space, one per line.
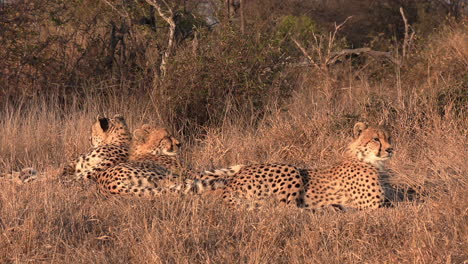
(234,97)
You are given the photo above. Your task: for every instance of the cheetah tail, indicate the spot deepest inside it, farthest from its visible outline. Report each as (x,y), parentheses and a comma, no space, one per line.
(225,172)
(209,180)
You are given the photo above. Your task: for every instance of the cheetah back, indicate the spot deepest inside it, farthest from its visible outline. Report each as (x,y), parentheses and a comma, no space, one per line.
(111,141)
(278,182)
(137,178)
(352,184)
(99,159)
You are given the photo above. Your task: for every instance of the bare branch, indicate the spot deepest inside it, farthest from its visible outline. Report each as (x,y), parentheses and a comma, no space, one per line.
(242,18)
(169,18)
(333,36)
(303,50)
(408,37)
(337,28)
(115,9)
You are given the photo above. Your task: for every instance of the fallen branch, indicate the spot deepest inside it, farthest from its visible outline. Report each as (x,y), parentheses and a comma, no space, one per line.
(374,53)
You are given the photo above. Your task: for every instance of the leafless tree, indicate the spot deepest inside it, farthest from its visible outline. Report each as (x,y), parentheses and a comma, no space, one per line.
(167,14)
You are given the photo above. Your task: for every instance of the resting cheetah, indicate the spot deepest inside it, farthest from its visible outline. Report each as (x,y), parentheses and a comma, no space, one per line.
(157,145)
(359,182)
(111,140)
(153,167)
(153,158)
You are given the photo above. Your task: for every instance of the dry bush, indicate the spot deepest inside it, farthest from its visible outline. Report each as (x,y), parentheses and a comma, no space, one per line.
(309,126)
(70,48)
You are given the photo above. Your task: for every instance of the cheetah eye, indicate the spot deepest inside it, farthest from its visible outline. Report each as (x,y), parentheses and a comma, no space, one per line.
(376,139)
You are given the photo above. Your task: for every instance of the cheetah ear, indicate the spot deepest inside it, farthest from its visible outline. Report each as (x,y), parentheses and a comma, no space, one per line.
(140,135)
(175,141)
(358,128)
(119,117)
(147,127)
(103,122)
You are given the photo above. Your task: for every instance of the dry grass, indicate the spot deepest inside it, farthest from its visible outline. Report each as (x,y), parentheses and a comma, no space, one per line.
(47,222)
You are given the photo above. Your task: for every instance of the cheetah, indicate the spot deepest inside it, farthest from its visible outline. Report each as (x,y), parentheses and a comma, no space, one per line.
(153,167)
(357,183)
(156,144)
(152,163)
(111,141)
(361,181)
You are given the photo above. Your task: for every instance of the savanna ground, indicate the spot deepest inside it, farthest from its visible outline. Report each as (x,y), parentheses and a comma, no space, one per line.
(234,94)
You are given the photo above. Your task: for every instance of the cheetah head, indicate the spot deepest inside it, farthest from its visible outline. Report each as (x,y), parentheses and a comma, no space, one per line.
(371,145)
(110,131)
(155,141)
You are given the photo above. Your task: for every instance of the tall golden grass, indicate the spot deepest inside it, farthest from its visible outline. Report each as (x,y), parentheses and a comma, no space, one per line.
(46,221)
